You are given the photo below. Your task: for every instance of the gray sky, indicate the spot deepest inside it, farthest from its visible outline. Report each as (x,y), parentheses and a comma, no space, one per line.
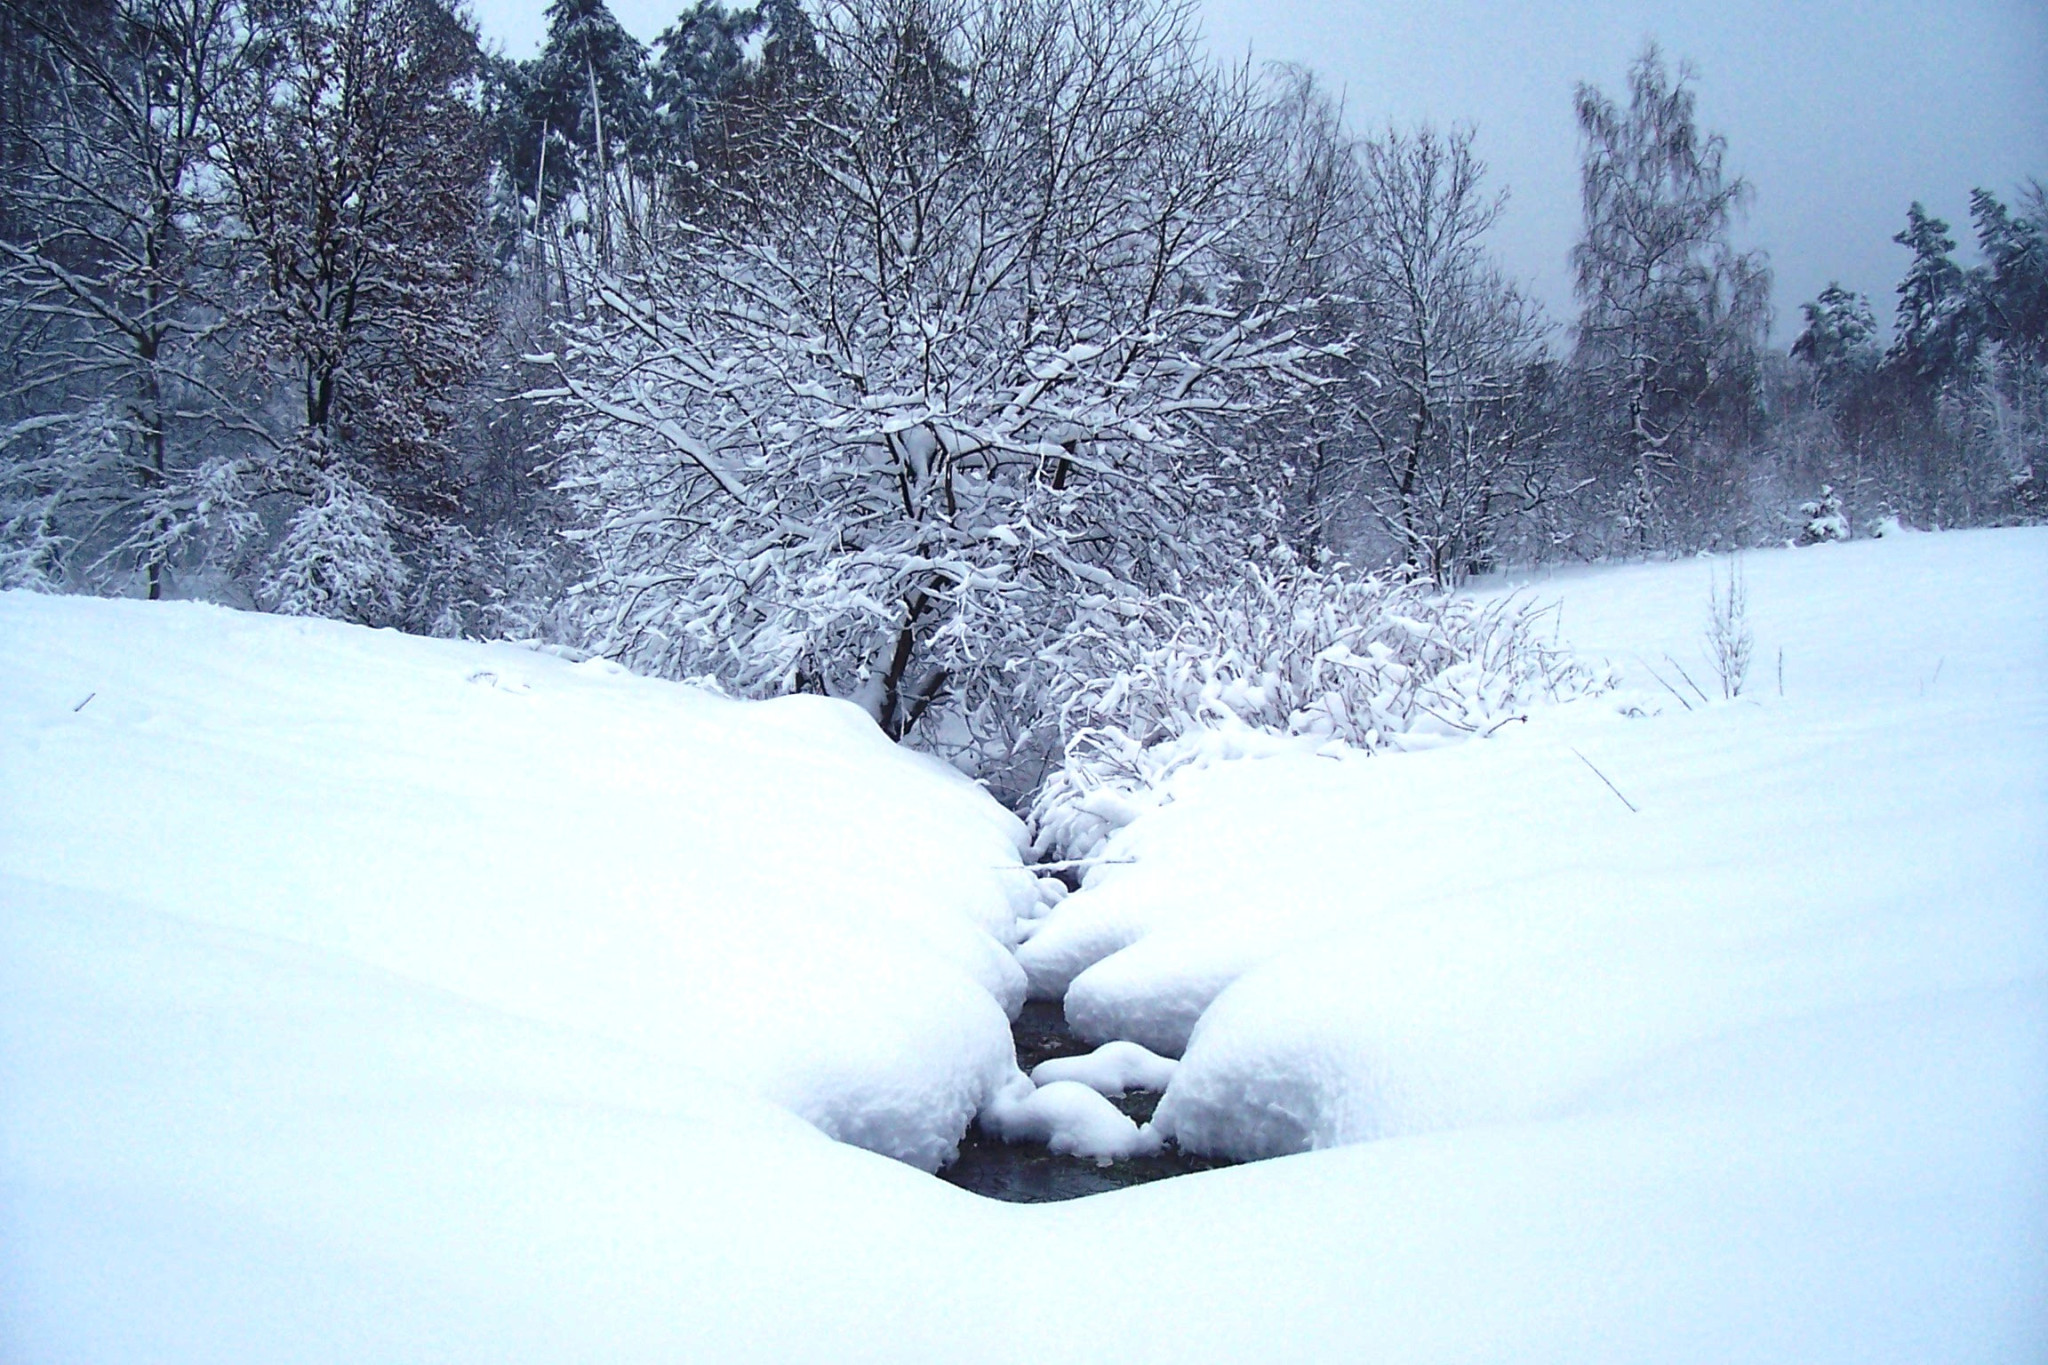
(1839,114)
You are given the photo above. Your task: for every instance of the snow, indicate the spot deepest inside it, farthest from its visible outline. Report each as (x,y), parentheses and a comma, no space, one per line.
(352,1010)
(1066,1116)
(1346,950)
(772,892)
(1110,1070)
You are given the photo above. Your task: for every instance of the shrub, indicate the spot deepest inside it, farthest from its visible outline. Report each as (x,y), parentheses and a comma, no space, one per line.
(1287,659)
(1822,519)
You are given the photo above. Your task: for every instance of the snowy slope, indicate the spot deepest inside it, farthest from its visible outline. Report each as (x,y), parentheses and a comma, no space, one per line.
(770,893)
(371,1053)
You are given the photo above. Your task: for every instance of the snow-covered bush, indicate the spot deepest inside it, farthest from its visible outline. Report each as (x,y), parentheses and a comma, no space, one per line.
(338,556)
(1288,658)
(1822,519)
(997,339)
(31,549)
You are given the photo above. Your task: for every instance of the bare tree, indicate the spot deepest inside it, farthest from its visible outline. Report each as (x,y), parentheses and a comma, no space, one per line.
(113,271)
(358,173)
(976,359)
(1454,429)
(1672,317)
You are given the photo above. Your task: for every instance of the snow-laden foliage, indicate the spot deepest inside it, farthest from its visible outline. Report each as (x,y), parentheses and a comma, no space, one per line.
(338,556)
(1822,519)
(995,345)
(1287,659)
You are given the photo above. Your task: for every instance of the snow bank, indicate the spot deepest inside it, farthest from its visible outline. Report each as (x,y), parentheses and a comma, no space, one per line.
(1771,1086)
(1349,950)
(1068,1117)
(770,893)
(1110,1070)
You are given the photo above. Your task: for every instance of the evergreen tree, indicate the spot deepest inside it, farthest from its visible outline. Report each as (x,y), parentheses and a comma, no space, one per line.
(1839,340)
(728,84)
(586,113)
(2012,286)
(1934,339)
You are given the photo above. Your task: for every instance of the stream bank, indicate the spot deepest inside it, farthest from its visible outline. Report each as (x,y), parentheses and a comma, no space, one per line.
(1027,1173)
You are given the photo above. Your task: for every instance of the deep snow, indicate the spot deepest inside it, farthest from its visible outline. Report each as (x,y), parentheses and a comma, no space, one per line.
(352,1009)
(771,893)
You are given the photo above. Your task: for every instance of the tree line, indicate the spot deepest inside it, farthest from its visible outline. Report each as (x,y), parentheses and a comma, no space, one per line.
(895,350)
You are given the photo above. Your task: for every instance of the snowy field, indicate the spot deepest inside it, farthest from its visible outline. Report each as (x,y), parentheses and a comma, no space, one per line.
(369,998)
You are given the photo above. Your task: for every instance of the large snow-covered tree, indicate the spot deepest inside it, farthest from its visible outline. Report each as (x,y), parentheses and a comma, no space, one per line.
(1934,336)
(358,170)
(113,270)
(1672,317)
(992,349)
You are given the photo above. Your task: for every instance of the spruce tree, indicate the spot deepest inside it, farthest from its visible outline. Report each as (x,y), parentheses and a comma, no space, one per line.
(1933,338)
(587,115)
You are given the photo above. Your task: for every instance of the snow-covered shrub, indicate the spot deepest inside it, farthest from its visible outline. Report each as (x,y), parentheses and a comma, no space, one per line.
(338,556)
(507,583)
(31,549)
(1288,658)
(1729,639)
(874,430)
(1822,519)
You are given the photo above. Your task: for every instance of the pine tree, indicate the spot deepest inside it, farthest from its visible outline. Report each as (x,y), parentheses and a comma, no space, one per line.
(587,117)
(1839,340)
(728,86)
(1933,336)
(2012,286)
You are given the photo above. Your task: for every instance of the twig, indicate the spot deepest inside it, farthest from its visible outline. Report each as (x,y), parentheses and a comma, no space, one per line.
(1665,685)
(1603,777)
(1687,676)
(1068,864)
(1488,731)
(81,706)
(1781,670)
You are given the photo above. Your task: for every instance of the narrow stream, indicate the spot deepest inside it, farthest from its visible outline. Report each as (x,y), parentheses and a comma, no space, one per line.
(1026,1173)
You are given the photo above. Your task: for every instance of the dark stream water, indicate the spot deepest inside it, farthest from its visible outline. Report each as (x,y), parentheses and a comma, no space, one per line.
(1026,1173)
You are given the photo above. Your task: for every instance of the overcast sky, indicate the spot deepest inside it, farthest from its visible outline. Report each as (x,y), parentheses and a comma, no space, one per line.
(1839,114)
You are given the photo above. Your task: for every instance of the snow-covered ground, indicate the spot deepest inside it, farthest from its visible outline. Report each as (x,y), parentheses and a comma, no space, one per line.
(367,998)
(772,892)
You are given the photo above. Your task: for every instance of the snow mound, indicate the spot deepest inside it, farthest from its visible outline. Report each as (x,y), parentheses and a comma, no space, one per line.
(1517,929)
(368,1061)
(1112,1069)
(771,894)
(1068,1117)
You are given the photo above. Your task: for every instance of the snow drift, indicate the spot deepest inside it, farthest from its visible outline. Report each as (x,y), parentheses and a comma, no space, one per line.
(770,894)
(1356,949)
(336,1019)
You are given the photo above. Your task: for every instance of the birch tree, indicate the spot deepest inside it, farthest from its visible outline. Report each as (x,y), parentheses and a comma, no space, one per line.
(1671,316)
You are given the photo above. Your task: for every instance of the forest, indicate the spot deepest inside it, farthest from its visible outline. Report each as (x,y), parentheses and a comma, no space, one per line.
(1002,366)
